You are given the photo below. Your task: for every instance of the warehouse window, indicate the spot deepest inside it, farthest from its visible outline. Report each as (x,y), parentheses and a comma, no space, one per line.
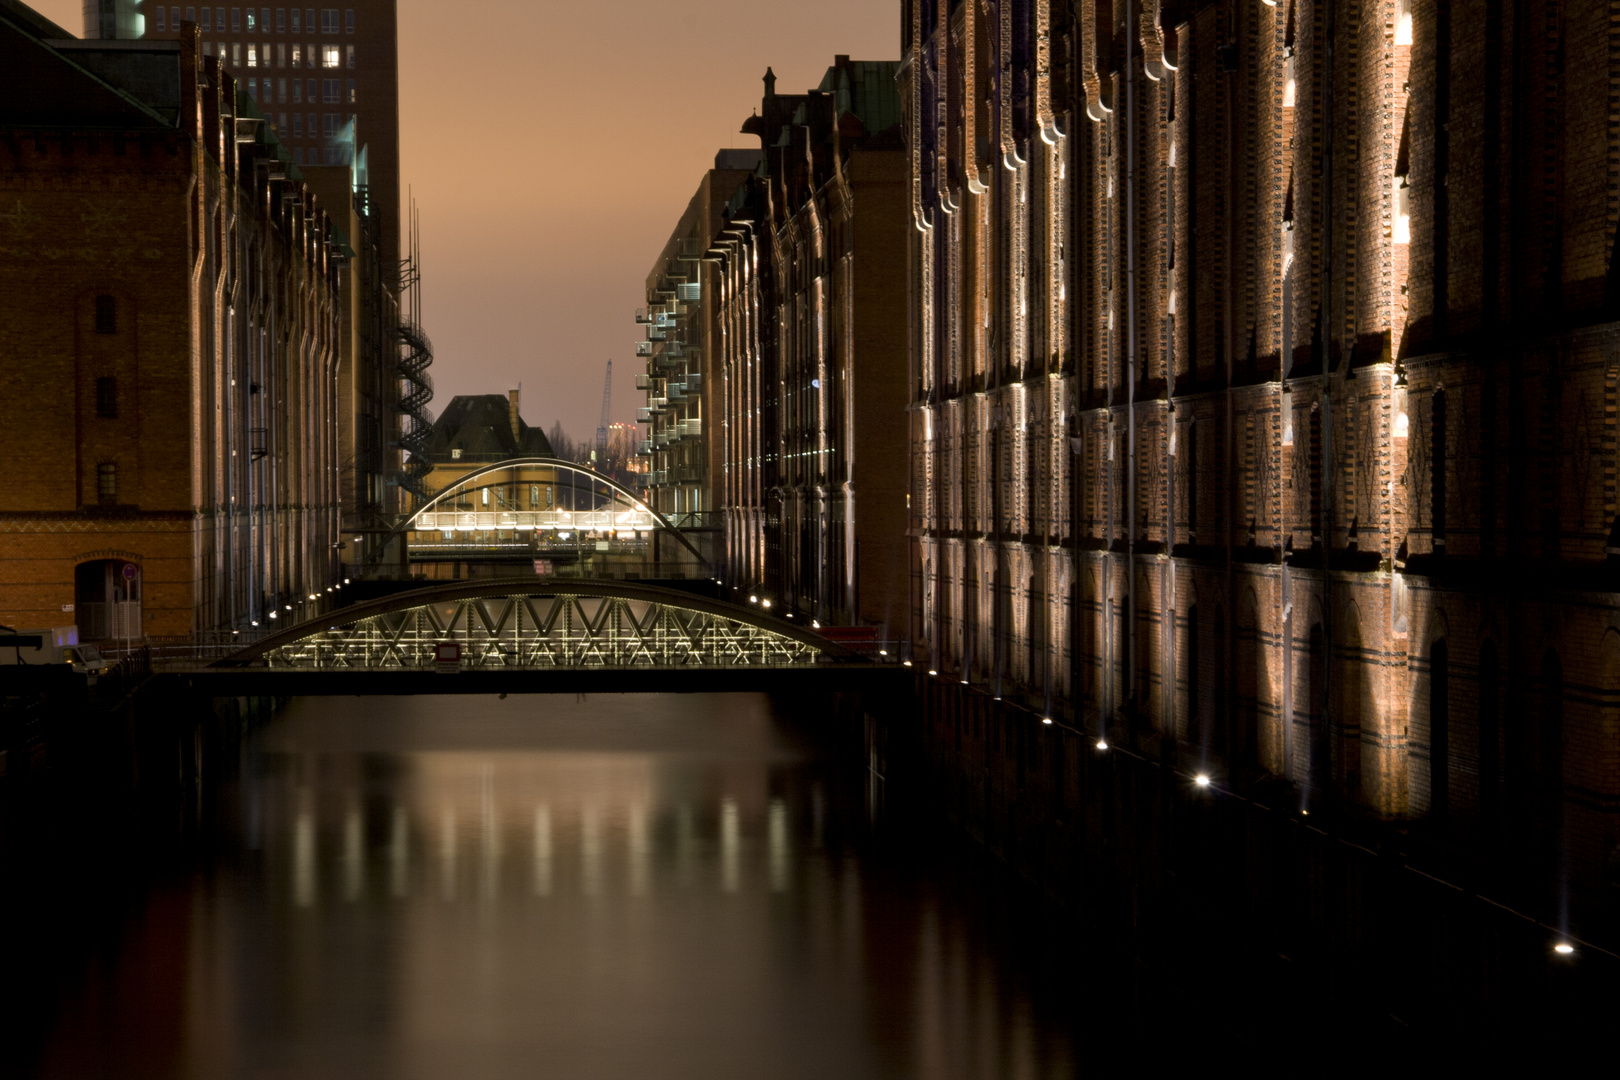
(331,56)
(219,19)
(348,20)
(106,315)
(207,18)
(107,480)
(351,91)
(252,20)
(298,125)
(107,397)
(161,25)
(253,55)
(329,91)
(329,20)
(297,26)
(349,59)
(313,92)
(236,20)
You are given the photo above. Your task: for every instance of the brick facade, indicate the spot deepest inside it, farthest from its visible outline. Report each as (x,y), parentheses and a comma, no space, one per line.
(168,326)
(1264,393)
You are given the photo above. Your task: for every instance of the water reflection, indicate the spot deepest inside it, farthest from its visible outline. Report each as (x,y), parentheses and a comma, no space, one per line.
(688,893)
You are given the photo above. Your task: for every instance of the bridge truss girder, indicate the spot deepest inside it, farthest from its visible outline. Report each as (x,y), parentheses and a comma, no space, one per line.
(553,631)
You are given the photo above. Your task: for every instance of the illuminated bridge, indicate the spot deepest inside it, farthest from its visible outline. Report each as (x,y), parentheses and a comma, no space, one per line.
(528,635)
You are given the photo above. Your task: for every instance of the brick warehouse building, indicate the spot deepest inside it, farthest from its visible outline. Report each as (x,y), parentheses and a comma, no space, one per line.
(1264,390)
(811,292)
(682,332)
(168,290)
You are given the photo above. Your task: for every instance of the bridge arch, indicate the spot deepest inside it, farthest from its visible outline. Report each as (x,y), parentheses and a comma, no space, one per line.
(467,481)
(524,623)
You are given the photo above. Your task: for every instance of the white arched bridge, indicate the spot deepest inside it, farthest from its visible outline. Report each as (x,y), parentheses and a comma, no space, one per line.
(534,635)
(534,506)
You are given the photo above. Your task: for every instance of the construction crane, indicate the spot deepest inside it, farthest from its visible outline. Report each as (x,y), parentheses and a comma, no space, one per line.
(599,455)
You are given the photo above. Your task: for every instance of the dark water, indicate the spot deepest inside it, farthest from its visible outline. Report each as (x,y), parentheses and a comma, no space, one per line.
(543,887)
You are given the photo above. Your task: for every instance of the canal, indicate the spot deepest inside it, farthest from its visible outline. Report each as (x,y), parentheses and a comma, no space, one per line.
(619,886)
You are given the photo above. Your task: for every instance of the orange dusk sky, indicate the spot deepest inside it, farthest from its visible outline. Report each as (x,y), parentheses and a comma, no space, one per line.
(552,146)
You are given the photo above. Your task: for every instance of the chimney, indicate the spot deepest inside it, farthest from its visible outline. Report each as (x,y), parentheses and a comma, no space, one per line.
(512,414)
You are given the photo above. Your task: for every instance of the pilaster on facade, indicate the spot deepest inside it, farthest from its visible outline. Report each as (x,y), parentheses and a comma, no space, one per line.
(1237,375)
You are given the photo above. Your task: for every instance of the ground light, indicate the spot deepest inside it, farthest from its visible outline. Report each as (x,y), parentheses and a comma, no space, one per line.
(1563,948)
(1201,780)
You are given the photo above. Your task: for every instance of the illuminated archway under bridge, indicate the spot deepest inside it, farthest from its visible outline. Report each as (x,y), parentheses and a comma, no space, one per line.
(627,514)
(518,625)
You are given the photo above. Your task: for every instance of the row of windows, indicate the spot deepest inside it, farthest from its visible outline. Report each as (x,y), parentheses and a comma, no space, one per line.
(323,155)
(294,126)
(310,56)
(274,92)
(258,20)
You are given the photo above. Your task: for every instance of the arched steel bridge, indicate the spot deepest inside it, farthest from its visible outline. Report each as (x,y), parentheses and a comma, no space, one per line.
(639,516)
(529,635)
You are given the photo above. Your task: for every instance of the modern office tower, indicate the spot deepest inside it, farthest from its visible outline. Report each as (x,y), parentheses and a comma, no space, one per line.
(326,79)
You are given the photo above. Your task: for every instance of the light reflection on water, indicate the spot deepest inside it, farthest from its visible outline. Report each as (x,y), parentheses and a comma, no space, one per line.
(619,887)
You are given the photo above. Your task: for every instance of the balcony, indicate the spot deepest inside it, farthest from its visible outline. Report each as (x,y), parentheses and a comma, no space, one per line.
(643,348)
(694,382)
(645,416)
(677,392)
(643,382)
(690,428)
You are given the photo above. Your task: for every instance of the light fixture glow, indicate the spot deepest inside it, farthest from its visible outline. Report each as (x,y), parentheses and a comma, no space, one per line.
(1102,744)
(345,581)
(764,603)
(815,625)
(931,671)
(1563,948)
(753,599)
(883,652)
(273,614)
(1201,780)
(907,663)
(1046,719)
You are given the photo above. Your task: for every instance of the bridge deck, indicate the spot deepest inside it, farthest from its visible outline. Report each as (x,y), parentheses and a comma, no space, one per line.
(338,682)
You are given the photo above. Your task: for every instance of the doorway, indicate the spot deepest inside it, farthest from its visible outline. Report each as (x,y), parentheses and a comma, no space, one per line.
(107,600)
